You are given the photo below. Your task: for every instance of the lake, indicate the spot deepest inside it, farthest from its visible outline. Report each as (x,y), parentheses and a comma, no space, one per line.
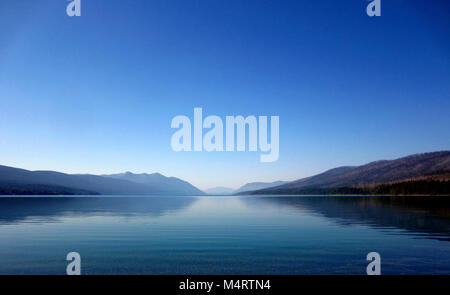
(224,235)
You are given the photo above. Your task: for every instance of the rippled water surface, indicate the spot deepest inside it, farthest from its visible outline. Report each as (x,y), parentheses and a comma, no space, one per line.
(224,235)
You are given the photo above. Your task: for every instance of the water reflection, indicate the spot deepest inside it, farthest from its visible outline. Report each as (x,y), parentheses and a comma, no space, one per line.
(224,235)
(428,217)
(50,209)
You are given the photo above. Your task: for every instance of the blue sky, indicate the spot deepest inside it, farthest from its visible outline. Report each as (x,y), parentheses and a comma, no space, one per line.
(97,93)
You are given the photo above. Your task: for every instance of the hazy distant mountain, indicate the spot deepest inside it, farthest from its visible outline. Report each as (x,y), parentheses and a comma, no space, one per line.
(380,172)
(14,180)
(220,190)
(161,183)
(245,188)
(252,186)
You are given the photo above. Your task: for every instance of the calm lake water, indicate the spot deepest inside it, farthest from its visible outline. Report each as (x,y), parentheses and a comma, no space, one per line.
(224,235)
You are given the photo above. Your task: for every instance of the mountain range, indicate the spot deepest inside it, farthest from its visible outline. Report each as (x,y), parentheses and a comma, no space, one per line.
(427,173)
(20,181)
(389,174)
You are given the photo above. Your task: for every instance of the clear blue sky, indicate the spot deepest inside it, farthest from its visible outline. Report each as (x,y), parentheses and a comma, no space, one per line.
(97,93)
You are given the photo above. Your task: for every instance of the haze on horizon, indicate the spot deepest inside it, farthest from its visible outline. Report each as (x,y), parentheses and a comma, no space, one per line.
(97,93)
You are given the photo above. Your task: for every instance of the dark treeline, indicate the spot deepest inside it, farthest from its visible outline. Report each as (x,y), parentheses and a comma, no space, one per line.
(413,187)
(40,189)
(417,187)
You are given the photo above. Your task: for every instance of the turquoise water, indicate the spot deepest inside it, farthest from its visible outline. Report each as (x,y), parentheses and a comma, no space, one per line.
(224,235)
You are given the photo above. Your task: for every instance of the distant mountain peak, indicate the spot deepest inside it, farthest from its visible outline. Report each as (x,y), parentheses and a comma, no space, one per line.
(258,185)
(166,185)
